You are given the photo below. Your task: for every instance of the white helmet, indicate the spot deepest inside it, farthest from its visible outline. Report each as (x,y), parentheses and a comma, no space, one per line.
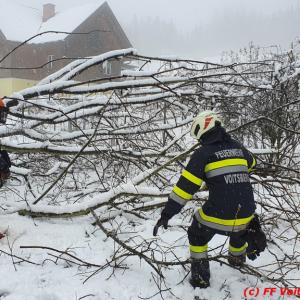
(204,121)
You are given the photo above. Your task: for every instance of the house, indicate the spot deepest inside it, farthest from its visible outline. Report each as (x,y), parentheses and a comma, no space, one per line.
(89,29)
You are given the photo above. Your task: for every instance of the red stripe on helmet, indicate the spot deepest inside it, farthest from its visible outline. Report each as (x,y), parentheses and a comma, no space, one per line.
(207,121)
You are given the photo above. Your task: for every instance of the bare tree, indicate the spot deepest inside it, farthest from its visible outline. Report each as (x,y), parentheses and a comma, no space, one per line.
(114,146)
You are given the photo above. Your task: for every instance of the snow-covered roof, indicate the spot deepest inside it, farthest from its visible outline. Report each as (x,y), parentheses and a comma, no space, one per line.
(19,22)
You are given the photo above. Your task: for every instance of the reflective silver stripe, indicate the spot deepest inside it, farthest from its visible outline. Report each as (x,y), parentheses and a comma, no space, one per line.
(198,255)
(178,199)
(226,170)
(221,227)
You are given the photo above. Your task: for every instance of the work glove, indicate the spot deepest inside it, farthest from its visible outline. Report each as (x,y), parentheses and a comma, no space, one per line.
(252,252)
(163,221)
(255,238)
(256,244)
(11,103)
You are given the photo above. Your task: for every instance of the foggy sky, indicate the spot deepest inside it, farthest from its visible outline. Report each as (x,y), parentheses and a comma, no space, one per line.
(184,13)
(219,24)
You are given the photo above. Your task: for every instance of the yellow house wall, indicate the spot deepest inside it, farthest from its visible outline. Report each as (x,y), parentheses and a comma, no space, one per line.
(11,85)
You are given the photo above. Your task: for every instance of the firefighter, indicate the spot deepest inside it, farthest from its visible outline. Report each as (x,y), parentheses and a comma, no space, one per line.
(223,164)
(5,162)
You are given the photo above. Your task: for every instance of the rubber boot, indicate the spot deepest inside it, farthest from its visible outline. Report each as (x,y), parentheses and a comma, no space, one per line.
(200,273)
(236,261)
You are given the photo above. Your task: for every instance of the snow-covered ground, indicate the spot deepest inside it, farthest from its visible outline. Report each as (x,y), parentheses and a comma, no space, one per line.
(55,279)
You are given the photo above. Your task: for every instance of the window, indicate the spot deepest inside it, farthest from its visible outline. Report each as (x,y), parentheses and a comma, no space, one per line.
(107,68)
(50,61)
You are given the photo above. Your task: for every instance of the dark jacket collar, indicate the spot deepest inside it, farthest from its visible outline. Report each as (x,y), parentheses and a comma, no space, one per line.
(214,135)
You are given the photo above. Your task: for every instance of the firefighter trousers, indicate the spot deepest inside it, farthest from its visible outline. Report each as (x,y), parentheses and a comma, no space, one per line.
(199,235)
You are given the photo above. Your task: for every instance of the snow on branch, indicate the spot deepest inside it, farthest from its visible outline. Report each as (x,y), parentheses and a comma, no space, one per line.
(113,146)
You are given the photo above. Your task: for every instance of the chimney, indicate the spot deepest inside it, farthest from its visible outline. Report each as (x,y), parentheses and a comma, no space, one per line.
(48,11)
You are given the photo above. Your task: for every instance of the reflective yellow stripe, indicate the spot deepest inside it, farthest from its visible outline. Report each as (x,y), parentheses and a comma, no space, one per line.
(253,164)
(198,249)
(233,249)
(189,176)
(181,193)
(226,163)
(234,222)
